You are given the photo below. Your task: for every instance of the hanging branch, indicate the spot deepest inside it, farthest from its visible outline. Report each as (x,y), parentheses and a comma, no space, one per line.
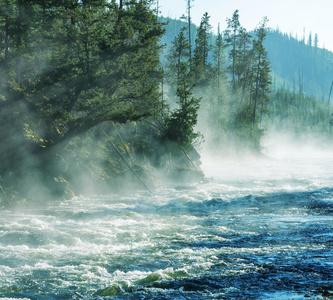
(121,139)
(189,160)
(127,164)
(5,196)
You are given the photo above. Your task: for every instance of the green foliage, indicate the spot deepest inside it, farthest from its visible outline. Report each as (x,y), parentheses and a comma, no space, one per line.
(69,66)
(202,47)
(179,52)
(261,73)
(180,125)
(219,60)
(92,56)
(173,27)
(70,71)
(296,64)
(294,112)
(231,35)
(230,105)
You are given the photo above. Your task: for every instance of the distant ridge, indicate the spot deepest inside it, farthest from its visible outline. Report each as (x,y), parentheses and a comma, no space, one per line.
(295,65)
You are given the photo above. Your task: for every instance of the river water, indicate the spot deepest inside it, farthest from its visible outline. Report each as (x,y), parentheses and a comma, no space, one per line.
(257,229)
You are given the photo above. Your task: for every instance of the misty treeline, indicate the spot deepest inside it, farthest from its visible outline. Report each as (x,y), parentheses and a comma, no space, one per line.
(88,103)
(301,94)
(299,115)
(229,74)
(295,83)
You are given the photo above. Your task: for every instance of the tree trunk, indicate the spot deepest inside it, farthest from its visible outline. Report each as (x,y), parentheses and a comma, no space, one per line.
(256,94)
(189,26)
(6,35)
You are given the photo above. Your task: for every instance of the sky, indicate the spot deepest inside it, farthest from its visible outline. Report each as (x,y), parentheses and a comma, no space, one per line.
(290,16)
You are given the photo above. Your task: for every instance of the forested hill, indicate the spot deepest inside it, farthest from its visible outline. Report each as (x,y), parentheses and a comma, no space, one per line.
(299,65)
(295,64)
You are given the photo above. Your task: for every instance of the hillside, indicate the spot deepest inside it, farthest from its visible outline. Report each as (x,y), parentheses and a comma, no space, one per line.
(295,65)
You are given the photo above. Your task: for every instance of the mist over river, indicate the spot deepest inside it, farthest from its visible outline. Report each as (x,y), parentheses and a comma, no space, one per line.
(256,229)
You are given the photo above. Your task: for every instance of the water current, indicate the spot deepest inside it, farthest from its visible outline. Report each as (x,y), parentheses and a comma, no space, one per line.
(253,230)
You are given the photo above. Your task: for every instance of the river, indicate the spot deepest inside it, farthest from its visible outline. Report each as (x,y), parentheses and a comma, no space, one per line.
(256,229)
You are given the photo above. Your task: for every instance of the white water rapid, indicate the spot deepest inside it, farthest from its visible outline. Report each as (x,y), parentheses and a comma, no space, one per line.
(255,230)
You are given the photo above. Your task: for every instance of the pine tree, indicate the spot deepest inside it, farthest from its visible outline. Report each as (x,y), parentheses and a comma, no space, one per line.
(6,23)
(219,60)
(218,82)
(255,89)
(261,70)
(231,36)
(189,21)
(316,41)
(181,123)
(179,52)
(69,66)
(310,39)
(179,127)
(243,58)
(201,51)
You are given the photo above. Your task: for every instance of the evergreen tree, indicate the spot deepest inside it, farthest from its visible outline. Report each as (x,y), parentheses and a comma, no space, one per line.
(179,52)
(243,59)
(231,36)
(298,114)
(6,30)
(255,82)
(69,66)
(310,39)
(219,60)
(316,41)
(181,123)
(189,21)
(244,75)
(218,82)
(202,48)
(179,127)
(261,71)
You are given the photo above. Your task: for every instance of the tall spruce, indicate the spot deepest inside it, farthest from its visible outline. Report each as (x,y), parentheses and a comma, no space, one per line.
(181,123)
(219,56)
(231,36)
(261,73)
(217,84)
(189,22)
(316,42)
(179,52)
(201,51)
(243,59)
(310,39)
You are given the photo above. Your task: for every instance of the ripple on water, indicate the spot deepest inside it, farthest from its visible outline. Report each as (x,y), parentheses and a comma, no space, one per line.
(252,239)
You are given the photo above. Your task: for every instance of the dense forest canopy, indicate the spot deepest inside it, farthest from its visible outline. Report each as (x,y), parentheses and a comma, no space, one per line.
(93,92)
(67,67)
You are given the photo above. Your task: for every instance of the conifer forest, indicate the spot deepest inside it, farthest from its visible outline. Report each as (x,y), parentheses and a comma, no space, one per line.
(95,94)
